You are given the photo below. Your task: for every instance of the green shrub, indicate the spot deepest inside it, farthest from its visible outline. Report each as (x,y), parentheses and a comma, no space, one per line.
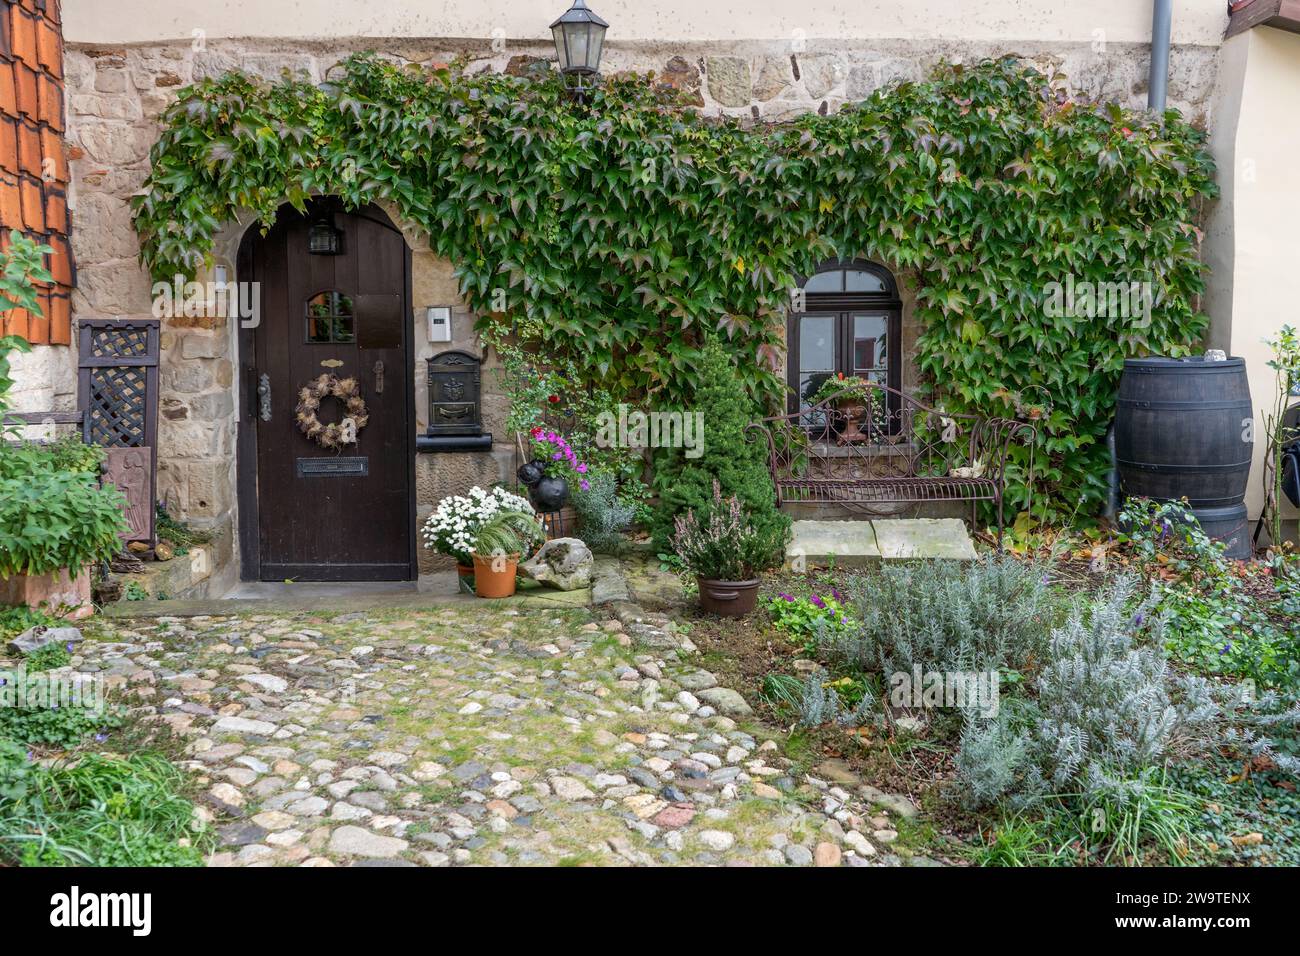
(51,520)
(730,458)
(34,460)
(605,514)
(992,614)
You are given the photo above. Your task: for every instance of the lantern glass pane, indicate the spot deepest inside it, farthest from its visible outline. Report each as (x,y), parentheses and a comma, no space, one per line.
(597,42)
(578,45)
(561,48)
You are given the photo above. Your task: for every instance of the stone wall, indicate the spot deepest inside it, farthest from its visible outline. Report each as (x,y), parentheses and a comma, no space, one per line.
(117,93)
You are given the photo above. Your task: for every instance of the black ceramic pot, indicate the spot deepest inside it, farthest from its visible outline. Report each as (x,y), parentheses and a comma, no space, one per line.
(549,494)
(531,473)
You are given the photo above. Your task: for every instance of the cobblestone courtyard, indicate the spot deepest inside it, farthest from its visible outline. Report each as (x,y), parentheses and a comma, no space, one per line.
(479,734)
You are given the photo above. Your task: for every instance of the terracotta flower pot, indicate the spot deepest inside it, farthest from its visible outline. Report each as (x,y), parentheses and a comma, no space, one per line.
(728,598)
(495,577)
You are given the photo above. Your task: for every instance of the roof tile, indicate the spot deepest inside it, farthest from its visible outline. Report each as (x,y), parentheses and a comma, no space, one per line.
(60,319)
(22,35)
(33,202)
(50,98)
(28,97)
(8,144)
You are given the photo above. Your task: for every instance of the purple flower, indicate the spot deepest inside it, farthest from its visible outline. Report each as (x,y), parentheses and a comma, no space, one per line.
(844,620)
(585,484)
(1226,647)
(786,597)
(1138,619)
(582,467)
(837,594)
(556,457)
(100,738)
(818,602)
(69,647)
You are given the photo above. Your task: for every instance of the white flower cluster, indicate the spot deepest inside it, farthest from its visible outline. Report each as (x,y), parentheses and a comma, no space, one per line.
(454,524)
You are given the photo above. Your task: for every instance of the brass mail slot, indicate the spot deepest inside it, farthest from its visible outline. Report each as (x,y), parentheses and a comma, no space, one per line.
(333,467)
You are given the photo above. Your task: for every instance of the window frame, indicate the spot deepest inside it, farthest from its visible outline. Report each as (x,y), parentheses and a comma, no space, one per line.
(844,306)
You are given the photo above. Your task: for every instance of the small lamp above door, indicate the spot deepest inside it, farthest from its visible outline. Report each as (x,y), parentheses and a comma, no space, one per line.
(324,238)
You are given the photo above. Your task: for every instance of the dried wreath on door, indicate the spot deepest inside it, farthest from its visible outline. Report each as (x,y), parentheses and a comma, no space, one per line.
(335,434)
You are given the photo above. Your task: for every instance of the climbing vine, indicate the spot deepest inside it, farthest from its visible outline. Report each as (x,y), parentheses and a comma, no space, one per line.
(623,232)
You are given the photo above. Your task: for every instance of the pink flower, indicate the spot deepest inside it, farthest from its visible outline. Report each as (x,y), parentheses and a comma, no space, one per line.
(556,456)
(585,484)
(582,468)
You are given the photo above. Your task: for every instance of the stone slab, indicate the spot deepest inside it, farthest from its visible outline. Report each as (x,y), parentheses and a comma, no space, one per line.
(929,538)
(849,544)
(866,543)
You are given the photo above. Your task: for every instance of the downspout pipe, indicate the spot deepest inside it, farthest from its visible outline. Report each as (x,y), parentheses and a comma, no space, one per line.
(1162,14)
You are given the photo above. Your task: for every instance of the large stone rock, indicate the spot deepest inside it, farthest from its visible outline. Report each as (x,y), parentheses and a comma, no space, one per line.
(564,563)
(34,638)
(725,701)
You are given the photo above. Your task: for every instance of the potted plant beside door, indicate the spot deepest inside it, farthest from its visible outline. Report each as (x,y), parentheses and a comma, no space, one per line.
(455,523)
(724,550)
(498,547)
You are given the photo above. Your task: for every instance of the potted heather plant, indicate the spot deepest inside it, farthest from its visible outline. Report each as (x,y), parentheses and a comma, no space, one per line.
(725,550)
(498,546)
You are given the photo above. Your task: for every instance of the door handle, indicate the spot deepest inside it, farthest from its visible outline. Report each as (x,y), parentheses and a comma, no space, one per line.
(264,397)
(379,378)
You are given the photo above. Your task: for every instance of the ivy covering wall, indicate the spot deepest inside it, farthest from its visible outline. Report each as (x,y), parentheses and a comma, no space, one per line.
(624,231)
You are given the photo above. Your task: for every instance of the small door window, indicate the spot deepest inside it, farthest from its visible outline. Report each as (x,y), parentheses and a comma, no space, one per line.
(330,319)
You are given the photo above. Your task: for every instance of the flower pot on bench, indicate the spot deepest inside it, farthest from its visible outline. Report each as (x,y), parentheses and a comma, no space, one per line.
(59,592)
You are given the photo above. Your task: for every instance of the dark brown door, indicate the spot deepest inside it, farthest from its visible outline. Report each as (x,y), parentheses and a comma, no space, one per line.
(320,514)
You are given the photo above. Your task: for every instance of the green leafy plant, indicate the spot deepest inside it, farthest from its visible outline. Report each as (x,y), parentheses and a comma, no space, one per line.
(135,591)
(15,620)
(508,533)
(48,658)
(807,618)
(625,231)
(53,520)
(1286,363)
(1212,620)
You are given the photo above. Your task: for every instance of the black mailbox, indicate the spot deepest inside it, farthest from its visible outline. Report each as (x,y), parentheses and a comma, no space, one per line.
(454,383)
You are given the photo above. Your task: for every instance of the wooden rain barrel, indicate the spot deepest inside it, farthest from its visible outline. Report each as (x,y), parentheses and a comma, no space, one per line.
(1184,429)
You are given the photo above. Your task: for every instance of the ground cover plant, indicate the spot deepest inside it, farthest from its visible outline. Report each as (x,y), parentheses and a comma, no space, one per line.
(1108,746)
(84,785)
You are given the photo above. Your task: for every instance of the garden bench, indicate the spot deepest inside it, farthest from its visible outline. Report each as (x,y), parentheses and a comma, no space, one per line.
(877,456)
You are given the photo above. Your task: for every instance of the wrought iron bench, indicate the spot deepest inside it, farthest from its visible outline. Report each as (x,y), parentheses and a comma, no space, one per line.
(887,452)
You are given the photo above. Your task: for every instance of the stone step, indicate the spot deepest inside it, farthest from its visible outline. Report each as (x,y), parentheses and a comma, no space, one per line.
(857,544)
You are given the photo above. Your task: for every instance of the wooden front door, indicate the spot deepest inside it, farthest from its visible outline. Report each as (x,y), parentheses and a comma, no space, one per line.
(310,513)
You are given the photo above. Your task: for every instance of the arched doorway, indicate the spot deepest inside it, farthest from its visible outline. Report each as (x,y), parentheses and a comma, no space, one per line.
(335,294)
(851,323)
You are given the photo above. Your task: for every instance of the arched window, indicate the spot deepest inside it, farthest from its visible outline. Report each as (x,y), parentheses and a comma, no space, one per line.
(851,322)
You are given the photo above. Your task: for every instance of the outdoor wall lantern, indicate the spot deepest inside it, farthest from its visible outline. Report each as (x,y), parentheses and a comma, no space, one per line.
(579,40)
(324,239)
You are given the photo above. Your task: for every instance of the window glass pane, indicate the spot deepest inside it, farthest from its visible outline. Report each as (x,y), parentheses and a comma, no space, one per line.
(856,281)
(330,319)
(832,281)
(817,343)
(870,342)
